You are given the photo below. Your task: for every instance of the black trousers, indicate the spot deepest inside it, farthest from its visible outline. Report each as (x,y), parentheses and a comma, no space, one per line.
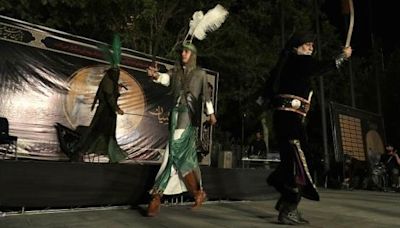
(289,128)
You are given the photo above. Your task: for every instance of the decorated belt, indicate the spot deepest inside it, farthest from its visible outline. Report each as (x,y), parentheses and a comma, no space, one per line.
(292,103)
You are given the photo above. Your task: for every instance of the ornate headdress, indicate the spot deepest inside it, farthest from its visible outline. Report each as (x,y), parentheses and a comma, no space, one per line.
(202,23)
(114,56)
(299,38)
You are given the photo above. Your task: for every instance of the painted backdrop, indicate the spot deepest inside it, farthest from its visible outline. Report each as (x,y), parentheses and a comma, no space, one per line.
(49,77)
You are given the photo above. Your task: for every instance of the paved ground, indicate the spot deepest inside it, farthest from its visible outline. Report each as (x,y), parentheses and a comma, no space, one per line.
(336,209)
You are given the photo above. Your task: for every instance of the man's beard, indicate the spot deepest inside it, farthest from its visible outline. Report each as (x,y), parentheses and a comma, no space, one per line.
(301,52)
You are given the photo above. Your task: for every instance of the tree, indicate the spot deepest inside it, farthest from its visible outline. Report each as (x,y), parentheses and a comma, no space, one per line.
(243,50)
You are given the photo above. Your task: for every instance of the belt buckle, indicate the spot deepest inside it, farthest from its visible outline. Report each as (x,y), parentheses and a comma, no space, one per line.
(295,103)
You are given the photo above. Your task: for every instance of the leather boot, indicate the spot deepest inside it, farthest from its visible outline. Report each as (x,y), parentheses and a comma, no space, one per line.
(199,198)
(154,205)
(301,219)
(193,187)
(278,204)
(288,214)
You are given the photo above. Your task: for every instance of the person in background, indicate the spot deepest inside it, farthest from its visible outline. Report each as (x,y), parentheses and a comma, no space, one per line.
(391,160)
(100,136)
(258,148)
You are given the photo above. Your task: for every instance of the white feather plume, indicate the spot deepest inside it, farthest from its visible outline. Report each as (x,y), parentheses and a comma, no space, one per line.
(211,21)
(196,18)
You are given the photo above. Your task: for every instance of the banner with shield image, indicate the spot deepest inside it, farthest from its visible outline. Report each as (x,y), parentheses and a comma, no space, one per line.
(49,77)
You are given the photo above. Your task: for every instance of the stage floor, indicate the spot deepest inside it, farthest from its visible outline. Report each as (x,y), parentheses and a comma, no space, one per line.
(336,209)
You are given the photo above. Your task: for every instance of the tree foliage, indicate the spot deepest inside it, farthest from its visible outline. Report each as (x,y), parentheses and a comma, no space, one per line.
(243,50)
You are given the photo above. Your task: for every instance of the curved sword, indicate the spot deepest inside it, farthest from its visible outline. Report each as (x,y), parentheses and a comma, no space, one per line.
(351,25)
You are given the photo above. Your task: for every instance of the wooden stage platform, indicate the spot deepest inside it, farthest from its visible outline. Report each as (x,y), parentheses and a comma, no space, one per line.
(48,184)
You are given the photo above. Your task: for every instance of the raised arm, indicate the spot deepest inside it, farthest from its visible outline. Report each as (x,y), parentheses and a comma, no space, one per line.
(396,156)
(161,78)
(321,68)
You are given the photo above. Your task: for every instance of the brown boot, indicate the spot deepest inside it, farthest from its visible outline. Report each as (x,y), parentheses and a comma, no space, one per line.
(193,187)
(154,205)
(199,198)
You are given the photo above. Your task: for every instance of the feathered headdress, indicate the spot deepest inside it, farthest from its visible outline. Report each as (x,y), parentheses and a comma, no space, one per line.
(114,56)
(201,23)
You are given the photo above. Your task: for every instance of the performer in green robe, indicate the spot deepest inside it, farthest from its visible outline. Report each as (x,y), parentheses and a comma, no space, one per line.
(180,169)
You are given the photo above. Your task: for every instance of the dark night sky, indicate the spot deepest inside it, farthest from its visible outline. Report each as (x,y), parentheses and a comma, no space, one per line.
(379,16)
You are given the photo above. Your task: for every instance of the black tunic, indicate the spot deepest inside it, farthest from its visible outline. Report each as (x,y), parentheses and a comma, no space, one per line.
(99,137)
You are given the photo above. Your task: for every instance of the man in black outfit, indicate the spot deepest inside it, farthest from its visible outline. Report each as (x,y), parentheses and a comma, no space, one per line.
(289,90)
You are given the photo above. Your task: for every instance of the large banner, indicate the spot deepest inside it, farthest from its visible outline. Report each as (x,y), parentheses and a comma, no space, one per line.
(49,77)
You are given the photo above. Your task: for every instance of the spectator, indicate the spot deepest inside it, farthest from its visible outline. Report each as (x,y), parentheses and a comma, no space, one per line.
(391,161)
(258,147)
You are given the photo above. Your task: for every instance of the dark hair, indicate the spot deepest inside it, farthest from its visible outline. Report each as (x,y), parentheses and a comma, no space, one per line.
(299,38)
(389,145)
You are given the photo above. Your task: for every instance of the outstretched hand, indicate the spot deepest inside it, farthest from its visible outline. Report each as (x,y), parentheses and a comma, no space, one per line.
(152,71)
(347,51)
(213,119)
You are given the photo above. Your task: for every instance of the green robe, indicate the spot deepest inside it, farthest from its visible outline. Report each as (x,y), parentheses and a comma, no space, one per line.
(183,151)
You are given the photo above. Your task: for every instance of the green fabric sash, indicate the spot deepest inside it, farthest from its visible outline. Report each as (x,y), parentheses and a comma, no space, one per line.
(182,152)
